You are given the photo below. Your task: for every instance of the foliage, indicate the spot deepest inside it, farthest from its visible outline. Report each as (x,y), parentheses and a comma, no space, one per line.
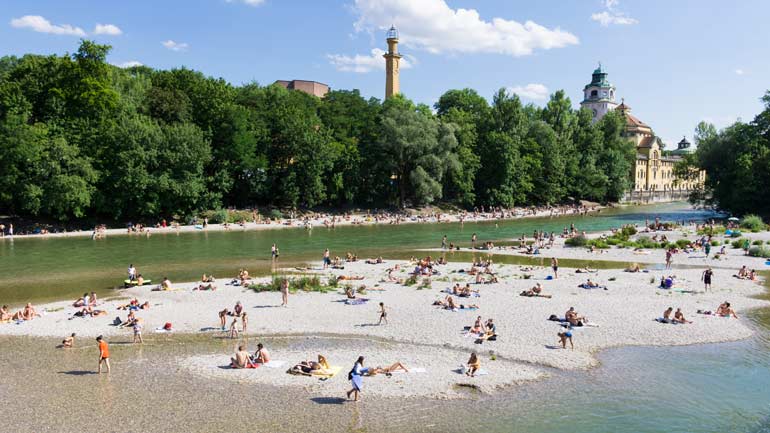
(753,223)
(310,283)
(759,251)
(82,138)
(577,241)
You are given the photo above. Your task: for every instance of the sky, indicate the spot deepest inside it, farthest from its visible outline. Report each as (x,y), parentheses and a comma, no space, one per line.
(675,62)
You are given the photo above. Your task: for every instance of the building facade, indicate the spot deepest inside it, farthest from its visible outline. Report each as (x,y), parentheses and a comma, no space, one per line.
(310,87)
(392,60)
(654,176)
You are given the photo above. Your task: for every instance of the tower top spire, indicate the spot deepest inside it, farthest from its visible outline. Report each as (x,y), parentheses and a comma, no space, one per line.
(392,33)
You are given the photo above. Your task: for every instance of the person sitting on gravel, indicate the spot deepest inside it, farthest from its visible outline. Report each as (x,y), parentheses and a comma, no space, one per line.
(241,359)
(666,315)
(724,310)
(535,292)
(376,261)
(679,317)
(573,318)
(261,356)
(634,268)
(478,327)
(743,273)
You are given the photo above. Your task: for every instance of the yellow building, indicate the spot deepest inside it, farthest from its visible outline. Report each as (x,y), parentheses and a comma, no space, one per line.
(653,176)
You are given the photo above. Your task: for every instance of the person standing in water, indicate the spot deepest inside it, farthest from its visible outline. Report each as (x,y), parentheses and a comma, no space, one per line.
(104,354)
(443,243)
(326,259)
(473,241)
(274,252)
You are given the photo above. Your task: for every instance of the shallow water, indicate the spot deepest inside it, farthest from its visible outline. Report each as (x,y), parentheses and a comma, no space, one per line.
(698,389)
(57,268)
(703,388)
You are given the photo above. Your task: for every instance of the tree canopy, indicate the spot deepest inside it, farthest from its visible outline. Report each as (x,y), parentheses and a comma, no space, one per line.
(80,137)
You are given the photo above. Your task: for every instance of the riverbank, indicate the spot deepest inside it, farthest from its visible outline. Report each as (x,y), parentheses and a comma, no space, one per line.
(431,337)
(326,220)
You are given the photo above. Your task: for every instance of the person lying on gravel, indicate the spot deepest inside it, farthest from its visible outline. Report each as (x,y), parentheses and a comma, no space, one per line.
(634,268)
(349,277)
(309,368)
(585,271)
(387,371)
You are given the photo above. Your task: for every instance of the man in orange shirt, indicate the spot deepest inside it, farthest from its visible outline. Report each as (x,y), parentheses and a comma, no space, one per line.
(104,353)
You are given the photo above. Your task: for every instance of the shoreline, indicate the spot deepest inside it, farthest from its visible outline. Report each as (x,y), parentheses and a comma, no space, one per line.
(624,315)
(360,219)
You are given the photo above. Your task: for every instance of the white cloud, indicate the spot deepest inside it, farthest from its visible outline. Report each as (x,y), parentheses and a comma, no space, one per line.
(362,63)
(175,46)
(612,16)
(433,26)
(42,25)
(739,72)
(107,29)
(606,18)
(248,2)
(533,91)
(129,64)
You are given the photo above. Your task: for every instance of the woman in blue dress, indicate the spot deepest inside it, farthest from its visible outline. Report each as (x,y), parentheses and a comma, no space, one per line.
(356,377)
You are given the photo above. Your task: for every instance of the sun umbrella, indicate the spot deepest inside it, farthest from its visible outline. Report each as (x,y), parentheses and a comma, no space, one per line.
(733,219)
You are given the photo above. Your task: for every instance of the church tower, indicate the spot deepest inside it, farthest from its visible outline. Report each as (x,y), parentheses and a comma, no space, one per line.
(392,59)
(599,94)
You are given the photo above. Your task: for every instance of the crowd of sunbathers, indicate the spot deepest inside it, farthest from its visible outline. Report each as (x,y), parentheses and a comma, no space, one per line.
(425,267)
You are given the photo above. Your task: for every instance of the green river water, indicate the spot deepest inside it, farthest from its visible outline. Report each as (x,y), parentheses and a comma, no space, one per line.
(703,388)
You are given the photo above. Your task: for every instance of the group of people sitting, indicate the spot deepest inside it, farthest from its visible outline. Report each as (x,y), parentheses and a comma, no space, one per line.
(483,331)
(207,283)
(243,279)
(87,300)
(243,359)
(134,305)
(745,274)
(463,292)
(27,313)
(678,316)
(425,267)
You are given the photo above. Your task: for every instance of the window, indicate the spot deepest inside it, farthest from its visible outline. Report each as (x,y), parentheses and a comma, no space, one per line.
(594,93)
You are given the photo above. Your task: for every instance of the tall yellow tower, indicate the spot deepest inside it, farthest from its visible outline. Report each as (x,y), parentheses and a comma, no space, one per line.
(392,59)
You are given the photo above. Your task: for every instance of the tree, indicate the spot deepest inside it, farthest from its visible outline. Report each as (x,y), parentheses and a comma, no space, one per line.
(416,150)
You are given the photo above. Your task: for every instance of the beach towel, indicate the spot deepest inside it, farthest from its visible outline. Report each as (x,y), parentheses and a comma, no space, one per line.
(357,301)
(587,287)
(248,366)
(328,373)
(162,330)
(274,364)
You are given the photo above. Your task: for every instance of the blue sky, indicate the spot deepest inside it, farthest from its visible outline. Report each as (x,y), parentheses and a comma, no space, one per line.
(674,62)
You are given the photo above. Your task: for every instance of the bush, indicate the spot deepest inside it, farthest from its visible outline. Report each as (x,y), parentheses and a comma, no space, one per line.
(738,243)
(333,282)
(646,242)
(614,241)
(753,223)
(599,243)
(736,234)
(577,241)
(757,242)
(411,281)
(628,231)
(759,252)
(682,243)
(715,243)
(305,283)
(275,214)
